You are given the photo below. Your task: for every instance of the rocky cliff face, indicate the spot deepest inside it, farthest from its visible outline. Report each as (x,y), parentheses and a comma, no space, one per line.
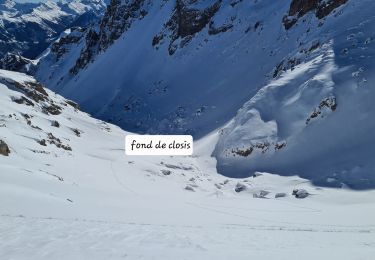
(134,56)
(187,19)
(61,46)
(321,8)
(15,62)
(118,18)
(293,93)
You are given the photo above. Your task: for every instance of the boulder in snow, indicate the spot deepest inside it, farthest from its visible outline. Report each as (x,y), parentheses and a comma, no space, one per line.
(260,194)
(4,149)
(240,187)
(300,193)
(166,172)
(55,123)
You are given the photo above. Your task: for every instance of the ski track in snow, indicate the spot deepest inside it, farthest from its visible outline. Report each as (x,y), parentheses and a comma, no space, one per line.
(121,183)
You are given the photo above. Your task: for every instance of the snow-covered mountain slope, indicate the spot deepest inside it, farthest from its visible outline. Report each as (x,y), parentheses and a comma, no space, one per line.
(302,68)
(76,195)
(28,28)
(316,120)
(186,66)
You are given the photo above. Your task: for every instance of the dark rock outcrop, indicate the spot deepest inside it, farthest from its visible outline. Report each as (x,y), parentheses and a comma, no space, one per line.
(34,91)
(16,62)
(300,193)
(55,123)
(186,21)
(60,47)
(117,19)
(4,149)
(73,104)
(326,7)
(327,104)
(240,187)
(299,8)
(87,53)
